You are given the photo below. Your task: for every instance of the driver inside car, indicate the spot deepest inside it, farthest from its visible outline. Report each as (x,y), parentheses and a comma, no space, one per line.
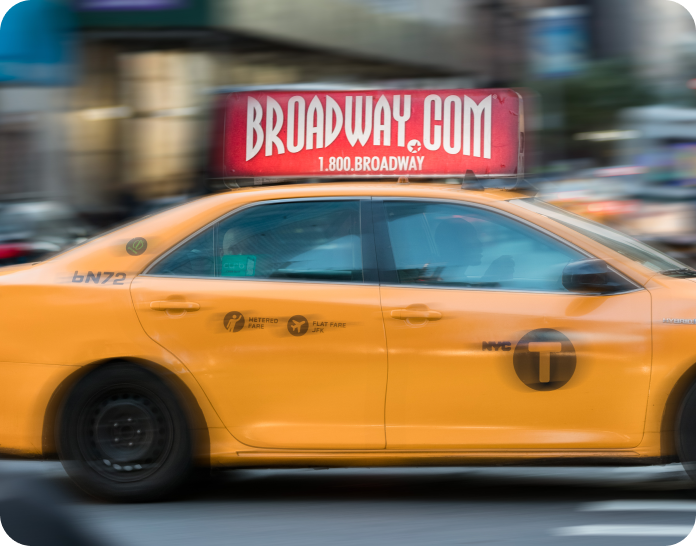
(459,248)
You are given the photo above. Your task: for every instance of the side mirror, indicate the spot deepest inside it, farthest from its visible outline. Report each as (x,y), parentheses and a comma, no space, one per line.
(589,276)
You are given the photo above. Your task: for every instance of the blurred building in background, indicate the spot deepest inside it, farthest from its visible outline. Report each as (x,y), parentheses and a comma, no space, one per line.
(36,70)
(135,119)
(110,109)
(656,36)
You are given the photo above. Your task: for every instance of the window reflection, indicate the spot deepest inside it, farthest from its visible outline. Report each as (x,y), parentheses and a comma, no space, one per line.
(441,244)
(313,240)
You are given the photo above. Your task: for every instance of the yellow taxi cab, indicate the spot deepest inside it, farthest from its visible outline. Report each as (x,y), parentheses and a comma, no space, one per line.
(347,324)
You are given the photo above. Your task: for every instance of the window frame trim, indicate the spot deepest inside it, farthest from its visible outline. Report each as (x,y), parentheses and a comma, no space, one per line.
(363,241)
(384,248)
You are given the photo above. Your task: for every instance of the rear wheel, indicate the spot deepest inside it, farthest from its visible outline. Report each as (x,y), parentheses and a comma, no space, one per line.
(123,436)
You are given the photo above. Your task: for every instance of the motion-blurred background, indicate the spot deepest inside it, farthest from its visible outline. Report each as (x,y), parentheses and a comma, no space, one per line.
(105,105)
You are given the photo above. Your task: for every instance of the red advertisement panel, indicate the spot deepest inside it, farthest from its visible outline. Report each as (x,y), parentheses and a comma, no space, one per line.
(369,134)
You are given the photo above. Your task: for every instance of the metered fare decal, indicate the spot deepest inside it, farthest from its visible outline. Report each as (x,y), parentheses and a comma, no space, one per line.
(296,326)
(370,133)
(233,321)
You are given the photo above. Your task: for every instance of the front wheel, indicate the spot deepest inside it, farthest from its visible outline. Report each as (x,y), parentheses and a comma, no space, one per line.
(123,436)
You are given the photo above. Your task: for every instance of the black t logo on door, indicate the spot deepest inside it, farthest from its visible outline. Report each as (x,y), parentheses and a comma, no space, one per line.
(544,359)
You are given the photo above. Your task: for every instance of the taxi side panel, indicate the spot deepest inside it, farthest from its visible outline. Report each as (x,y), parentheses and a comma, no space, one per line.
(52,327)
(323,388)
(674,360)
(447,389)
(26,391)
(75,310)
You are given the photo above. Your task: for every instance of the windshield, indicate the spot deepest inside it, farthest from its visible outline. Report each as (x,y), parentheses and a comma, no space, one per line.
(615,240)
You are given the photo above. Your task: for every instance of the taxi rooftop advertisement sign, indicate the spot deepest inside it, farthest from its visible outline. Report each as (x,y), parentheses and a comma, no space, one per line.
(372,134)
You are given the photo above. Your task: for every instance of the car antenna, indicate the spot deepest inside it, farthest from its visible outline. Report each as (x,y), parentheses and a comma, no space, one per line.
(471,183)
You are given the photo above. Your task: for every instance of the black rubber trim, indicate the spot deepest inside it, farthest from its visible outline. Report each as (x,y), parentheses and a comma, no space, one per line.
(367,237)
(385,254)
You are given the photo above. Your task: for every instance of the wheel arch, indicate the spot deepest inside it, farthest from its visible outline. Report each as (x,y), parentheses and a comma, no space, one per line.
(668,424)
(197,422)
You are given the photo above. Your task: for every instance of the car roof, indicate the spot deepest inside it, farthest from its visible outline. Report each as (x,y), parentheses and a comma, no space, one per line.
(376,189)
(165,228)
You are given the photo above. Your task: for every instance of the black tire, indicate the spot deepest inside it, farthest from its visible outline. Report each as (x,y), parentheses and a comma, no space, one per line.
(122,435)
(685,432)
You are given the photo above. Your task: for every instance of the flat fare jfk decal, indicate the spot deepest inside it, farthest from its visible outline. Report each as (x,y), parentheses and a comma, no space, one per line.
(382,133)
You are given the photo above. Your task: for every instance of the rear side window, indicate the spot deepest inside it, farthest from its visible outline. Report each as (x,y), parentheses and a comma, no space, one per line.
(311,240)
(459,246)
(196,258)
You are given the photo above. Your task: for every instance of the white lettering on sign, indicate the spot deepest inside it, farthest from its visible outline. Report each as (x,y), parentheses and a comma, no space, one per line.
(456,124)
(374,163)
(295,146)
(402,118)
(254,115)
(383,121)
(316,111)
(483,110)
(332,131)
(273,108)
(433,111)
(452,132)
(358,134)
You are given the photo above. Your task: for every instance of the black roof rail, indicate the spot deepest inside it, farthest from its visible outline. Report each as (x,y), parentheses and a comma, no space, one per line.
(472,183)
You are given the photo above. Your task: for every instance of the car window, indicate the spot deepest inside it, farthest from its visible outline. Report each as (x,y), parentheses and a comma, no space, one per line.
(615,240)
(455,245)
(310,240)
(195,258)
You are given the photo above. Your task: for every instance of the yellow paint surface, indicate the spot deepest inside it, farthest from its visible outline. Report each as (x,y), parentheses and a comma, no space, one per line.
(386,389)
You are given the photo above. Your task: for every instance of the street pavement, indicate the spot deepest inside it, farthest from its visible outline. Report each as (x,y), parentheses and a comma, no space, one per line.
(525,506)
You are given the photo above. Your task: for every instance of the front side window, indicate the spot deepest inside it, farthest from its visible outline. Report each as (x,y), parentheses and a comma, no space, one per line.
(460,246)
(615,240)
(310,240)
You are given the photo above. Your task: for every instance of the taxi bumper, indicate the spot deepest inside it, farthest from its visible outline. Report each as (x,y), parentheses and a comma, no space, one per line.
(26,390)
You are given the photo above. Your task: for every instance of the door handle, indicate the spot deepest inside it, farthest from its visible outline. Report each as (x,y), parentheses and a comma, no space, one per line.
(405,314)
(181,305)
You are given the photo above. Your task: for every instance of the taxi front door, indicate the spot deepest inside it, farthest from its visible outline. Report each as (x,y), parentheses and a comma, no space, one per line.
(487,349)
(275,310)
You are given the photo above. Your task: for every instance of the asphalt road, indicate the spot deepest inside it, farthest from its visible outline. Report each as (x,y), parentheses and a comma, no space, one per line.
(529,506)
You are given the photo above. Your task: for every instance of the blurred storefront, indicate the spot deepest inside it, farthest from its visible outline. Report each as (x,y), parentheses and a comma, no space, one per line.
(36,67)
(137,122)
(120,114)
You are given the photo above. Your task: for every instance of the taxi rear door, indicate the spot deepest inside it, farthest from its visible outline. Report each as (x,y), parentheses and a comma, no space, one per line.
(275,310)
(488,350)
